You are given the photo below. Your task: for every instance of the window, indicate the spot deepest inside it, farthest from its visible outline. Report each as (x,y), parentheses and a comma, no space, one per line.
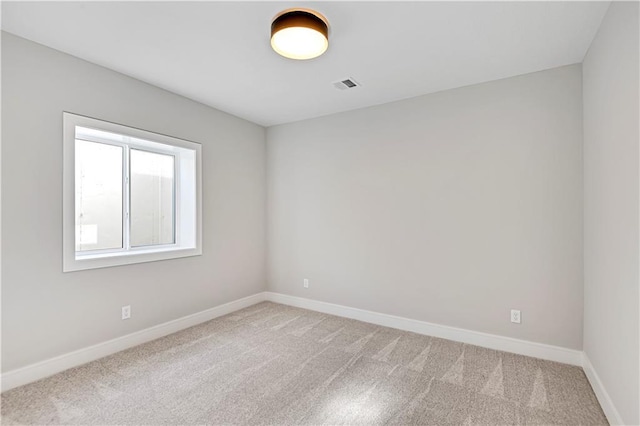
(130,196)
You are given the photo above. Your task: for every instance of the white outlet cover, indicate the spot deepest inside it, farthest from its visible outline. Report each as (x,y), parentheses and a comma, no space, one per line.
(515,316)
(126,312)
(306,283)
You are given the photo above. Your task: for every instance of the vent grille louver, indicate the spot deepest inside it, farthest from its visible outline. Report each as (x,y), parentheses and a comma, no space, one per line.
(347,83)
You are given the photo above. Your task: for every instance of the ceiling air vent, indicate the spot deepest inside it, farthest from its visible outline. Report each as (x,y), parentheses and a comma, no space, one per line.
(347,83)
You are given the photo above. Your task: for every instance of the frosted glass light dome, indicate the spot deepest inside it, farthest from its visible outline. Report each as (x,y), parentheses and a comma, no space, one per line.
(300,34)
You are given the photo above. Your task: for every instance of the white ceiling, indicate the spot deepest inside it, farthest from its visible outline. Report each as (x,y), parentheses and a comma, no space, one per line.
(218,53)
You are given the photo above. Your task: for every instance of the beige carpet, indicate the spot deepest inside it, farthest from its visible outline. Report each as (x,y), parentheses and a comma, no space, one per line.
(273,364)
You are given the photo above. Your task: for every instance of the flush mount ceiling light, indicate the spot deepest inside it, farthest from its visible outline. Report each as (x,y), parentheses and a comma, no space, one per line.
(300,34)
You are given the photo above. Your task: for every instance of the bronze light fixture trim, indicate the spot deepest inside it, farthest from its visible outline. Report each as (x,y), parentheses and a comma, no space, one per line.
(300,34)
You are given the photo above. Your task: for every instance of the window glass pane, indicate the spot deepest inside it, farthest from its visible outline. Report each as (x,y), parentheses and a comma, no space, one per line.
(152,198)
(98,189)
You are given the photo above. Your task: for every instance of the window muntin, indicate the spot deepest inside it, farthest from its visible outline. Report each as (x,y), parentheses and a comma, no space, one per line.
(135,196)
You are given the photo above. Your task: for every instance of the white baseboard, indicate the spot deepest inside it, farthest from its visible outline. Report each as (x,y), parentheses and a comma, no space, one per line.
(491,341)
(49,367)
(601,393)
(40,370)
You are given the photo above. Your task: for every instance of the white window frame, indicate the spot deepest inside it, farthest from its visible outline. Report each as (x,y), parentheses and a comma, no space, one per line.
(188,200)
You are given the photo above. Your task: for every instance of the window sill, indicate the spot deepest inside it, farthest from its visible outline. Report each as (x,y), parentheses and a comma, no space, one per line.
(106,260)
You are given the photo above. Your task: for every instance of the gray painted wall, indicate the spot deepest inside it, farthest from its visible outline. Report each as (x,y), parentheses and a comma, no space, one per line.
(452,208)
(46,312)
(611,215)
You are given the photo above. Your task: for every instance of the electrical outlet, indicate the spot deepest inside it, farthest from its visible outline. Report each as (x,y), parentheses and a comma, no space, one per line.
(126,312)
(306,283)
(515,316)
